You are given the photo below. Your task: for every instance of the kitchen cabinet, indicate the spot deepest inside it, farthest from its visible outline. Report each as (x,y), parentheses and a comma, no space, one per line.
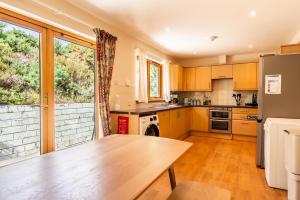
(178,122)
(176,77)
(189,78)
(187,114)
(203,79)
(240,124)
(221,71)
(290,49)
(164,124)
(245,76)
(244,127)
(199,119)
(197,78)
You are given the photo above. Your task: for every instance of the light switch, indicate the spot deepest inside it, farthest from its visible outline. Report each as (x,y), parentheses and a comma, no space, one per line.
(127,83)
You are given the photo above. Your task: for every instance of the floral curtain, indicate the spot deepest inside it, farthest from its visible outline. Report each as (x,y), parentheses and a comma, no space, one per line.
(106,47)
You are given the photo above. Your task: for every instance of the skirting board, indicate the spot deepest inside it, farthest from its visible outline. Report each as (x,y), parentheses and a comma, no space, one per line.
(213,135)
(244,138)
(182,137)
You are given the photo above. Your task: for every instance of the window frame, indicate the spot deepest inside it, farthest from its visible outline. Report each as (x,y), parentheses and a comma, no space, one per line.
(160,98)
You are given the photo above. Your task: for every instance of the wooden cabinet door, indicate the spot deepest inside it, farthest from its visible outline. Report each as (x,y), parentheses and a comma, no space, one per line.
(180,78)
(221,71)
(244,127)
(164,124)
(174,126)
(199,121)
(188,117)
(177,122)
(203,79)
(176,77)
(189,78)
(245,76)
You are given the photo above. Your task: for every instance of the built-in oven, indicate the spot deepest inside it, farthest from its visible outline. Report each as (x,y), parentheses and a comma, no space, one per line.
(220,120)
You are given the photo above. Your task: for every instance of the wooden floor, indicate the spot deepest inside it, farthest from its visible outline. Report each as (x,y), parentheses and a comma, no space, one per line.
(225,163)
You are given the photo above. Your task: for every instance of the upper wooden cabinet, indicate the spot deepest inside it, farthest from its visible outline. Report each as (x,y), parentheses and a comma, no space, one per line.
(245,76)
(176,77)
(197,78)
(189,78)
(221,71)
(290,49)
(203,79)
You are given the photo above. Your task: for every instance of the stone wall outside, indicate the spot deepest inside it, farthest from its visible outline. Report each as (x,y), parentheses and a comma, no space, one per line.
(20,128)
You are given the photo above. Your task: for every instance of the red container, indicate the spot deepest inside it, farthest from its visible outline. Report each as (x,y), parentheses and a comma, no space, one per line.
(123,125)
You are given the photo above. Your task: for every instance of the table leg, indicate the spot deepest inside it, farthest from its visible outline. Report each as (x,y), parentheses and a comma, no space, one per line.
(172,177)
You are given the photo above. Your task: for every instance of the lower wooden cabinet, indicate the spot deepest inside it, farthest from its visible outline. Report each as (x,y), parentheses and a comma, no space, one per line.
(240,124)
(164,124)
(199,119)
(177,122)
(244,127)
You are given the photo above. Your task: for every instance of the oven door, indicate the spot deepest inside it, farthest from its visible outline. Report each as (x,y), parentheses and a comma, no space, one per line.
(220,126)
(220,114)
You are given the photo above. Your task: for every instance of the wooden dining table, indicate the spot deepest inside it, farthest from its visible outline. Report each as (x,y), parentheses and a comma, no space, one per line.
(115,167)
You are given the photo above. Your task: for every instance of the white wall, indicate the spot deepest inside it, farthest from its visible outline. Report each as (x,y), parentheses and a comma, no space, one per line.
(80,22)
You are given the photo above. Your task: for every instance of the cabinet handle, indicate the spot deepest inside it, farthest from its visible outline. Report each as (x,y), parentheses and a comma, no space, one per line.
(246,123)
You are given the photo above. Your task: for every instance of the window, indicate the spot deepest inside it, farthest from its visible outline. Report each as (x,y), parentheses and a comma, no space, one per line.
(154,76)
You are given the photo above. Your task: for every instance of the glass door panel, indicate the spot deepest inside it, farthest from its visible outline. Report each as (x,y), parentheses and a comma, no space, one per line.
(20,110)
(74,93)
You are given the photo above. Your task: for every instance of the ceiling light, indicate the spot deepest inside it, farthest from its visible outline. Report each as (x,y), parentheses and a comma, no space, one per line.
(213,37)
(250,46)
(252,13)
(167,29)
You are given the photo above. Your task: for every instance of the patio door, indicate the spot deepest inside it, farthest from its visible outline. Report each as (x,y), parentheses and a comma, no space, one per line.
(74,96)
(48,90)
(23,96)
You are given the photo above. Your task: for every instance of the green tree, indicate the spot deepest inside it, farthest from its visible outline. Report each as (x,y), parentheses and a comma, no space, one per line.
(20,68)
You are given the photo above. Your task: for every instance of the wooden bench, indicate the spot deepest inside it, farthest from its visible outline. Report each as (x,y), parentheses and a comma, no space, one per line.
(191,190)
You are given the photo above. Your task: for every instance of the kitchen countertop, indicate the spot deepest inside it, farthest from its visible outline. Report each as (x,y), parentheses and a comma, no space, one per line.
(154,109)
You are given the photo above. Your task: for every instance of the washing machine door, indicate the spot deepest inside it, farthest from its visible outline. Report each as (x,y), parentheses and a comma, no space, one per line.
(152,130)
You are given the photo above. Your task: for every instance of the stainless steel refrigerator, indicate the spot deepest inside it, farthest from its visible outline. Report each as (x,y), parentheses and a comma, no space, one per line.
(283,105)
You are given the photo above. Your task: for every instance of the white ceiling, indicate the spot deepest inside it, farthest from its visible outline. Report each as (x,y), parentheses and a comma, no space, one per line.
(182,28)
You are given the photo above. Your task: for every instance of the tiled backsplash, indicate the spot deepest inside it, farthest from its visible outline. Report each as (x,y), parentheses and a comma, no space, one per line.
(220,95)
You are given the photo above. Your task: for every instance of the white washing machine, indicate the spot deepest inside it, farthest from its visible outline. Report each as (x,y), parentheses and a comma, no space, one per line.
(149,125)
(275,171)
(292,156)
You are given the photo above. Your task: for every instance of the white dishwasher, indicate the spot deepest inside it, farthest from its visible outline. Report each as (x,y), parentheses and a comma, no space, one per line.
(274,150)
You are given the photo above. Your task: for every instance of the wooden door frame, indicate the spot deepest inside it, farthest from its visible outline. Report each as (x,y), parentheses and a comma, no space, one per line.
(44,133)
